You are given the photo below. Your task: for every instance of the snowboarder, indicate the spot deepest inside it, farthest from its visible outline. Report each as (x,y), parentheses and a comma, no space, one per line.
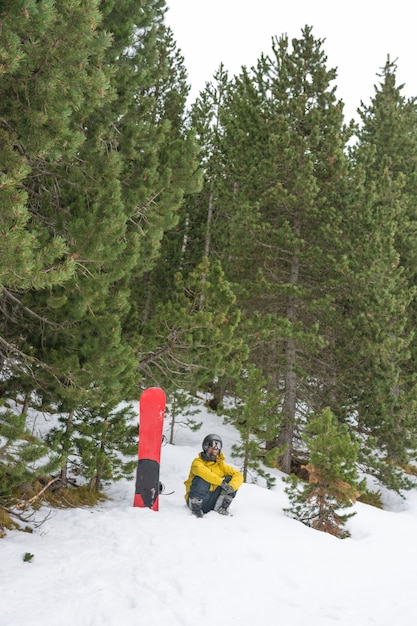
(211,484)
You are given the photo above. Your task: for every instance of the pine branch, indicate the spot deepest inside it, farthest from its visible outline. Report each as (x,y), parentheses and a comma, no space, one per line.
(32,313)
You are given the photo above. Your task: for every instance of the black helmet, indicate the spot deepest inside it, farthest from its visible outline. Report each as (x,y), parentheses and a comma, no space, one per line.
(208,442)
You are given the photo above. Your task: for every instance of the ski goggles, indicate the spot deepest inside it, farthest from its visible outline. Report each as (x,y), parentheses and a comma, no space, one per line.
(214,443)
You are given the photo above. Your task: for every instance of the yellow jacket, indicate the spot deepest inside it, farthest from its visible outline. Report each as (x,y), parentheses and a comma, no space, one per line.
(213,472)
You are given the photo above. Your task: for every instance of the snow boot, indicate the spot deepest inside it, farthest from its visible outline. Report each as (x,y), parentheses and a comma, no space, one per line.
(196,506)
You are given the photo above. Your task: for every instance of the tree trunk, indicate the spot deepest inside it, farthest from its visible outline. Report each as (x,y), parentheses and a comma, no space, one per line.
(286,435)
(66,446)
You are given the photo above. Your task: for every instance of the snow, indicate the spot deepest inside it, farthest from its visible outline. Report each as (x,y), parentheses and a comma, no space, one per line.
(116,565)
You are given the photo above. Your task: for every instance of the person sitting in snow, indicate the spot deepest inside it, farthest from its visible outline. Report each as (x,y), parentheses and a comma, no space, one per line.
(211,484)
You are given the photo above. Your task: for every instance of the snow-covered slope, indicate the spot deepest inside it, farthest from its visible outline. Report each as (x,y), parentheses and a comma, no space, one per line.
(115,565)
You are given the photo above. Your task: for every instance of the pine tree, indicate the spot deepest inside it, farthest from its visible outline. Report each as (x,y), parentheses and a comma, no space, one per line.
(99,443)
(180,414)
(255,417)
(377,327)
(332,477)
(22,457)
(109,161)
(283,144)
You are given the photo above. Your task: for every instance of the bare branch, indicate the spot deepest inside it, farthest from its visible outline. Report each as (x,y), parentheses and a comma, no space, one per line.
(25,503)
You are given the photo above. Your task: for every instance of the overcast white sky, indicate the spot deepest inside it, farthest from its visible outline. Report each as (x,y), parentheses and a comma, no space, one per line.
(358,34)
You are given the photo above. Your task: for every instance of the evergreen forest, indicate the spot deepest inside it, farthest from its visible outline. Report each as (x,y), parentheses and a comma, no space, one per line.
(253,244)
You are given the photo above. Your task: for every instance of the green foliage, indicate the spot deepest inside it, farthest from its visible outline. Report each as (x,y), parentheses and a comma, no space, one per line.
(22,455)
(373,498)
(105,442)
(130,254)
(94,161)
(97,443)
(49,72)
(318,242)
(180,413)
(276,178)
(255,415)
(375,344)
(333,480)
(190,337)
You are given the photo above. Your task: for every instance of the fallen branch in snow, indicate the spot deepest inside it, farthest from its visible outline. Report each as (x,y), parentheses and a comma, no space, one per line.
(38,495)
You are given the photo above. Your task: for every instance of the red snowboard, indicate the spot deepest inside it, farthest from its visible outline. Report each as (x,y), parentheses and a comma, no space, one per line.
(151,421)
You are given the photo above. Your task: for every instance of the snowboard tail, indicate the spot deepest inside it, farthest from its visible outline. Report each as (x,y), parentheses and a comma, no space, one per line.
(147,483)
(151,420)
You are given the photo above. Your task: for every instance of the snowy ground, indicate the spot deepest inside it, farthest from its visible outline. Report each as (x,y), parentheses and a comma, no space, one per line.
(115,565)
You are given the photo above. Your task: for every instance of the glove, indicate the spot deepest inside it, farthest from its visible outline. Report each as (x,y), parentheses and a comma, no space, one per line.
(228,489)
